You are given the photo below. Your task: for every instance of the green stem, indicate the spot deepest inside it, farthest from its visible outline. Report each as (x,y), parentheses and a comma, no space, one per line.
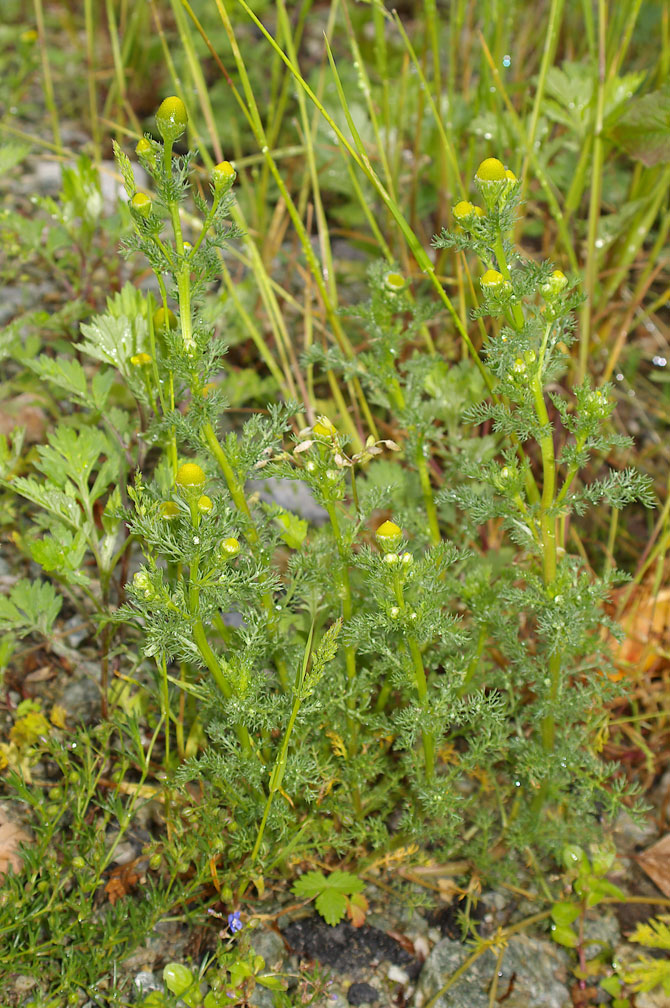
(420,682)
(592,256)
(517,311)
(427,491)
(347,610)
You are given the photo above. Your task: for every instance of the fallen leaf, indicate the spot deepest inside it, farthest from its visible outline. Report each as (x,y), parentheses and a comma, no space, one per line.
(646,624)
(122,879)
(11,835)
(655,862)
(357,906)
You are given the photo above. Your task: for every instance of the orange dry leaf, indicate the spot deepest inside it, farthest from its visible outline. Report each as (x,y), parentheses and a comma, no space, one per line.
(122,879)
(646,623)
(655,861)
(357,907)
(11,836)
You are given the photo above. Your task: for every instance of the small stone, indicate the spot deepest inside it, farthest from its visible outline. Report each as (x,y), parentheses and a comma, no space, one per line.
(539,969)
(398,975)
(362,993)
(146,982)
(270,946)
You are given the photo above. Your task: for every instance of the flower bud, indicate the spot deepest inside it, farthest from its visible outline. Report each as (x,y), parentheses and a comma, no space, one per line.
(171,119)
(169,510)
(554,285)
(140,360)
(229,548)
(141,204)
(143,147)
(163,321)
(142,584)
(391,559)
(324,428)
(490,170)
(510,176)
(223,174)
(388,535)
(190,475)
(394,612)
(205,505)
(394,282)
(491,280)
(407,559)
(462,211)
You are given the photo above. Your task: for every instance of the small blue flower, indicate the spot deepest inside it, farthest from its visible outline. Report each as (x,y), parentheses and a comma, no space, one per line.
(234,922)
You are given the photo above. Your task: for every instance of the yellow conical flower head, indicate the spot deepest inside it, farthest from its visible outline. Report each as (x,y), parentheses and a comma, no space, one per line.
(388,535)
(223,173)
(479,211)
(324,428)
(205,504)
(509,175)
(190,475)
(171,118)
(492,279)
(143,148)
(490,170)
(463,210)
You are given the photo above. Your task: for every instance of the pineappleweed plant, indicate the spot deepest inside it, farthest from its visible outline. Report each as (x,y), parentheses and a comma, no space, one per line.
(366,683)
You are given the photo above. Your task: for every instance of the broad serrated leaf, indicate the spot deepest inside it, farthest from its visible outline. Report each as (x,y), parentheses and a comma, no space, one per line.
(332,905)
(60,504)
(345,882)
(31,605)
(120,333)
(309,885)
(100,388)
(73,454)
(65,373)
(644,128)
(61,552)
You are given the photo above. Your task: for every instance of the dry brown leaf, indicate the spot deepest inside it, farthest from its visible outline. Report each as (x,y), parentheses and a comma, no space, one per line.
(655,862)
(122,879)
(646,624)
(11,835)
